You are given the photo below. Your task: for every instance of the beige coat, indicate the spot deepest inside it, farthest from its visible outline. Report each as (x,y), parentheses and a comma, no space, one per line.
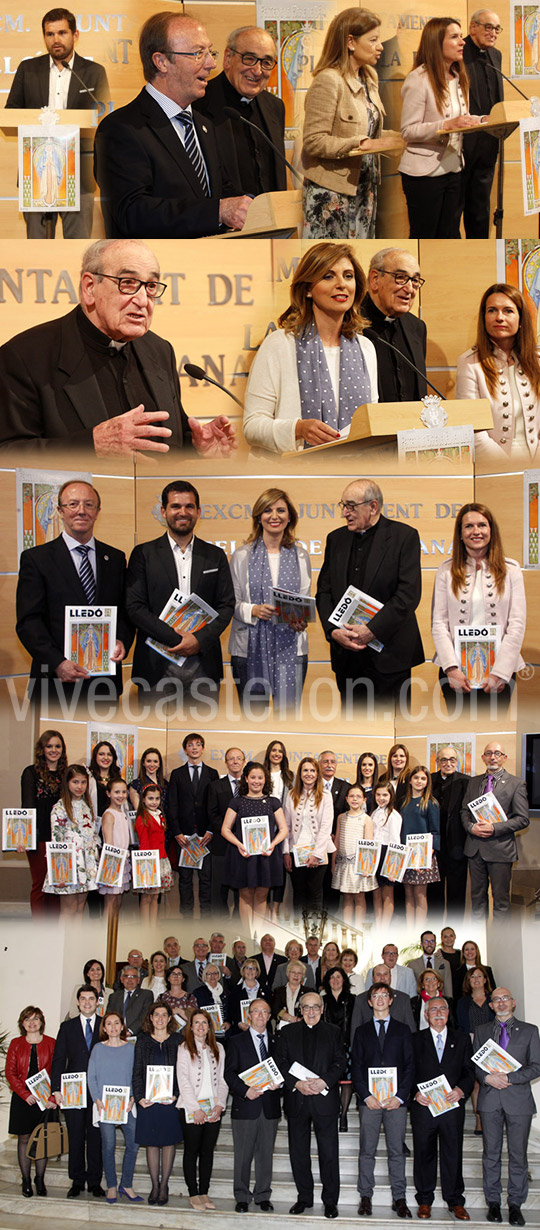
(336,121)
(471,383)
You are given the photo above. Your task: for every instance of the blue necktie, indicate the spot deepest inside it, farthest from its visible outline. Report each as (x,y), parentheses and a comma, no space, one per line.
(88,1033)
(86,574)
(262,1047)
(192,149)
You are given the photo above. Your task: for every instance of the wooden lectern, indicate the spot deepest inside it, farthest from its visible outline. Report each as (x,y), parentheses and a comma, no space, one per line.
(272,215)
(503,120)
(377,420)
(12,117)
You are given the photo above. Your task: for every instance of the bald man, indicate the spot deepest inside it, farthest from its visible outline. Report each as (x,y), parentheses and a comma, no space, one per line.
(393,283)
(482,60)
(449,786)
(491,849)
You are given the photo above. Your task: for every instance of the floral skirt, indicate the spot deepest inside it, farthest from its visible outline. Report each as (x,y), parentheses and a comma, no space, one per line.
(166,878)
(333,215)
(430,876)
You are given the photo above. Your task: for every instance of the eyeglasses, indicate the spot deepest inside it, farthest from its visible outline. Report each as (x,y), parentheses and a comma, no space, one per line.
(496,755)
(311,1008)
(267,63)
(447,759)
(351,505)
(489,29)
(132,286)
(198,56)
(501,999)
(73,505)
(401,278)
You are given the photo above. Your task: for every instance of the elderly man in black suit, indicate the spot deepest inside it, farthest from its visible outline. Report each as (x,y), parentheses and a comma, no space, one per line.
(248,61)
(439,1051)
(62,79)
(254,1115)
(382,1042)
(312,1098)
(337,786)
(506,1099)
(130,1001)
(393,282)
(74,569)
(220,794)
(449,786)
(486,87)
(382,558)
(187,812)
(75,1041)
(491,848)
(156,163)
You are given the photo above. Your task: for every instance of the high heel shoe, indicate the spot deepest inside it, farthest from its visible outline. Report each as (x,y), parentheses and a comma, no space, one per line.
(134,1199)
(26,1187)
(163,1197)
(41,1190)
(153,1197)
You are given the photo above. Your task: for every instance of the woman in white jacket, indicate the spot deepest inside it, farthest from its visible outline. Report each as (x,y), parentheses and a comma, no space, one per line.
(203,1096)
(309,812)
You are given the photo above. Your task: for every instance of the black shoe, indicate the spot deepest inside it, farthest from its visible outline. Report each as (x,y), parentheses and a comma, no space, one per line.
(300,1206)
(241,1207)
(515,1216)
(343,1124)
(401,1207)
(26,1187)
(406,1149)
(97,1191)
(152,1199)
(365,1208)
(163,1197)
(41,1190)
(494,1212)
(331,1210)
(74,1191)
(265,1206)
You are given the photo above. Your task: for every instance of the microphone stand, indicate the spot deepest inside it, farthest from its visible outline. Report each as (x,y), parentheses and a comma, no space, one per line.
(198,373)
(498,213)
(235,115)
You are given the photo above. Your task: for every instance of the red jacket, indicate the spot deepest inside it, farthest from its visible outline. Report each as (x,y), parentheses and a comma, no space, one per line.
(18,1062)
(152,834)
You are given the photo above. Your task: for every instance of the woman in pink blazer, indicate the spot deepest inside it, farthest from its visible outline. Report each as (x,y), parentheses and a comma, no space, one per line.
(478,587)
(435,98)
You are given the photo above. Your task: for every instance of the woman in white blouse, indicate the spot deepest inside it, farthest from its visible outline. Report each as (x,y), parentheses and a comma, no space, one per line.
(203,1096)
(309,813)
(156,981)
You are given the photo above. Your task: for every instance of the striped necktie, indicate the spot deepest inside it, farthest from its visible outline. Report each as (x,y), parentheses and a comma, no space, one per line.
(86,574)
(192,150)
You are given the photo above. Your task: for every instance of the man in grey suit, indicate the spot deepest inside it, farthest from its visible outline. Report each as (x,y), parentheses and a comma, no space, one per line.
(400,1005)
(491,848)
(430,959)
(131,1002)
(506,1098)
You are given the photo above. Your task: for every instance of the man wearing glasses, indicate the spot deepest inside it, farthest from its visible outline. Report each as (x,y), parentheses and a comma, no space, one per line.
(382,558)
(97,378)
(491,848)
(248,62)
(312,1098)
(506,1098)
(394,280)
(449,786)
(482,60)
(156,163)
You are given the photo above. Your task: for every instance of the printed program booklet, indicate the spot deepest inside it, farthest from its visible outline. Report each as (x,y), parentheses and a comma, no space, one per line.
(90,638)
(420,846)
(436,1090)
(291,607)
(110,872)
(262,1075)
(61,863)
(493,1058)
(205,1104)
(476,650)
(145,869)
(40,1086)
(301,854)
(73,1090)
(192,854)
(255,834)
(115,1100)
(184,615)
(487,807)
(395,862)
(159,1083)
(367,857)
(382,1083)
(18,828)
(356,607)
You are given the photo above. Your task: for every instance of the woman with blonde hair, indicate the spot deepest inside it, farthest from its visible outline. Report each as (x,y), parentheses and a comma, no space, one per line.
(504,366)
(269,656)
(310,374)
(344,113)
(435,101)
(309,813)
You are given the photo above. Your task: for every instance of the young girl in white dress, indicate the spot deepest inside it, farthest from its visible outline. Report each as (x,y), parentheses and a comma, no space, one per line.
(116,831)
(73,821)
(386,828)
(350,826)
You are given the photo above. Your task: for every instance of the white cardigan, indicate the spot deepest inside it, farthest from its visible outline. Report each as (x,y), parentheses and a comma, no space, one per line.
(243,617)
(272,404)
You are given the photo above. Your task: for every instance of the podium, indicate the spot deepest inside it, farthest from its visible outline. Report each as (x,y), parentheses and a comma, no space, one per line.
(375,421)
(12,117)
(503,120)
(272,215)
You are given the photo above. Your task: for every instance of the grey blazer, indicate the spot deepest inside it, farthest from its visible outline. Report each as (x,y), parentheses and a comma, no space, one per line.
(511,793)
(524,1045)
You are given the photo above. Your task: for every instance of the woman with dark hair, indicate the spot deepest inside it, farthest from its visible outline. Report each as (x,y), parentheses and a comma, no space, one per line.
(246,990)
(338,1003)
(151,773)
(504,366)
(40,788)
(181,1002)
(276,763)
(203,1096)
(93,976)
(111,1063)
(430,985)
(367,776)
(103,770)
(27,1055)
(474,1009)
(478,586)
(309,376)
(395,775)
(158,1122)
(251,872)
(269,656)
(343,131)
(155,981)
(330,956)
(471,958)
(435,97)
(309,814)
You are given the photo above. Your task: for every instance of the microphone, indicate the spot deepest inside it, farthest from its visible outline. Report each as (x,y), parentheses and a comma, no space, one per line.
(485,56)
(86,87)
(235,115)
(197,373)
(410,364)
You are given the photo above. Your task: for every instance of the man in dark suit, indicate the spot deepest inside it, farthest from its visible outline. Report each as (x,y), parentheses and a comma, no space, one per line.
(449,786)
(400,1006)
(187,813)
(313,956)
(382,1042)
(97,378)
(393,282)
(130,1002)
(317,1047)
(220,794)
(506,1099)
(254,1115)
(193,970)
(74,569)
(430,959)
(62,79)
(337,786)
(75,1041)
(382,558)
(236,963)
(180,561)
(156,163)
(439,1051)
(249,58)
(268,959)
(491,849)
(486,87)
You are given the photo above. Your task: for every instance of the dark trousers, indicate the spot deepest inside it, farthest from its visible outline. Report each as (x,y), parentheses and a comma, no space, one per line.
(185,887)
(361,684)
(221,890)
(307,885)
(477,183)
(81,1134)
(40,902)
(499,875)
(326,1135)
(448,1130)
(254,1140)
(199,1144)
(434,205)
(452,887)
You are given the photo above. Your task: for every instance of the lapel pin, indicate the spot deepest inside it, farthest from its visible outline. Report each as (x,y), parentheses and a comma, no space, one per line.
(106,557)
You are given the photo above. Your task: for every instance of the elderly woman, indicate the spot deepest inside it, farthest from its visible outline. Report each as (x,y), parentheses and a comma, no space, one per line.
(28,1055)
(179,1001)
(478,586)
(309,813)
(343,131)
(293,951)
(309,376)
(269,655)
(504,366)
(435,99)
(40,788)
(158,1122)
(213,995)
(111,1063)
(338,1010)
(247,989)
(430,984)
(156,980)
(203,1096)
(286,999)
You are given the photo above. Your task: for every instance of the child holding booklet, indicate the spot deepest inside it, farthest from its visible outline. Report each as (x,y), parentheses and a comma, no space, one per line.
(419,814)
(351,825)
(116,832)
(150,826)
(386,830)
(72,820)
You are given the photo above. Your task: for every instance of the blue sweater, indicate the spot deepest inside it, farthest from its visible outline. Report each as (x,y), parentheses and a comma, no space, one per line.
(110,1065)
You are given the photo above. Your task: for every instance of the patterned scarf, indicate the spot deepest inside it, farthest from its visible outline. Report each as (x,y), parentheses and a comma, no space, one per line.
(316,392)
(272,647)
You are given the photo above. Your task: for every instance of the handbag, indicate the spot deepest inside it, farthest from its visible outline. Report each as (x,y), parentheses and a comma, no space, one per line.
(49,1138)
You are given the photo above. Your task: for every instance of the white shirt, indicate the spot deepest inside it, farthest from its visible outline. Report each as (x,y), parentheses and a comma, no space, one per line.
(73,544)
(171,109)
(59,79)
(85,1020)
(182,562)
(439,1033)
(255,1039)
